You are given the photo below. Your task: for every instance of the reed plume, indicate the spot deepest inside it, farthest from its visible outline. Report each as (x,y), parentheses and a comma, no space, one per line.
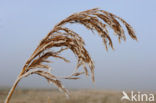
(64,38)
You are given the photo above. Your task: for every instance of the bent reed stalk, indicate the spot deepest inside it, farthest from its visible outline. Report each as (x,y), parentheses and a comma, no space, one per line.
(64,38)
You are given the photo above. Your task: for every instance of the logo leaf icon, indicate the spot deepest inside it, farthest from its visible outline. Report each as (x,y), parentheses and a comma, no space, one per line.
(125,96)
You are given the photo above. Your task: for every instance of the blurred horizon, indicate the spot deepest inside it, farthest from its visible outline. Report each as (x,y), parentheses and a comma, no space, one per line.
(131,66)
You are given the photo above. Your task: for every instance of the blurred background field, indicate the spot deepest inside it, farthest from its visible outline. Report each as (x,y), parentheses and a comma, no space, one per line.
(54,96)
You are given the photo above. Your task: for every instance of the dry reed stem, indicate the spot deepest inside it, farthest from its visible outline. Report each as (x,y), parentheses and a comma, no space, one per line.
(61,36)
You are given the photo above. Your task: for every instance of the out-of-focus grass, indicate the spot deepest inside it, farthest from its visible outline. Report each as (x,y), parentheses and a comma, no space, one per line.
(54,96)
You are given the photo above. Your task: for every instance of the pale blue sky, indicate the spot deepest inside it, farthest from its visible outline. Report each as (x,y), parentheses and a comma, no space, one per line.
(23,23)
